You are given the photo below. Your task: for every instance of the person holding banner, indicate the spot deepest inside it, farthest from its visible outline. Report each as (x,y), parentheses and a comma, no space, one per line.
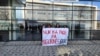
(57,26)
(48,25)
(43,26)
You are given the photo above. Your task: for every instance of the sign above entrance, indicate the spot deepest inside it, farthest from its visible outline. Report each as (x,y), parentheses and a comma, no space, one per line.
(54,36)
(62,0)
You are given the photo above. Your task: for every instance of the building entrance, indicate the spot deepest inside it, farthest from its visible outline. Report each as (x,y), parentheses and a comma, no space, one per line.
(33,31)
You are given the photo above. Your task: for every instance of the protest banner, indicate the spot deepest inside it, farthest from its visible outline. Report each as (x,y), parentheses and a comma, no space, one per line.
(54,36)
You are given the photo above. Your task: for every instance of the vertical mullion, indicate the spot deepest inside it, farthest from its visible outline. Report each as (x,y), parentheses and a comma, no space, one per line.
(32,17)
(11,20)
(25,20)
(91,20)
(32,9)
(52,12)
(72,23)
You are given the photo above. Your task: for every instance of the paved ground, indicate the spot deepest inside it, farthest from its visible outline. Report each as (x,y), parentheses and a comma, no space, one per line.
(34,48)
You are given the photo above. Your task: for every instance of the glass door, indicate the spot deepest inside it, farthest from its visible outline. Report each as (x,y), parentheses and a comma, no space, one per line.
(33,31)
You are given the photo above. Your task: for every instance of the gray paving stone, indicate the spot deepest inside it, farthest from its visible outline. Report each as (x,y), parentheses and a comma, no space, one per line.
(34,48)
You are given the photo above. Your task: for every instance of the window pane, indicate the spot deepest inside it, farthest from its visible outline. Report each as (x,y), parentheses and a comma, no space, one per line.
(62,15)
(20,14)
(5,13)
(76,34)
(42,15)
(28,14)
(82,25)
(5,25)
(98,15)
(85,15)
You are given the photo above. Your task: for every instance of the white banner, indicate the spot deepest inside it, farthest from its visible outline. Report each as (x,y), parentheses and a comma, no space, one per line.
(54,36)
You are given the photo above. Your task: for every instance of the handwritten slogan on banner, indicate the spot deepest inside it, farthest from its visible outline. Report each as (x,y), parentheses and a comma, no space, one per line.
(54,36)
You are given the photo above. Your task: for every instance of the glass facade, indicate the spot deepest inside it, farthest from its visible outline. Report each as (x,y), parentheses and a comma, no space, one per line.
(25,23)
